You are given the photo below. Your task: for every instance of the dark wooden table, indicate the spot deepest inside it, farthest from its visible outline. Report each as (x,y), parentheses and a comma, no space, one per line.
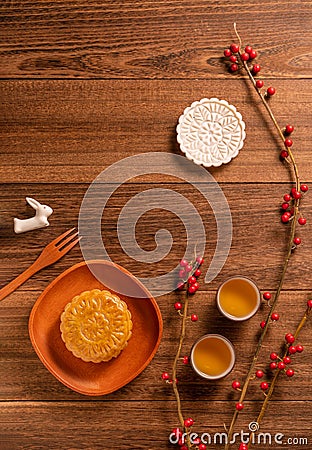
(85,84)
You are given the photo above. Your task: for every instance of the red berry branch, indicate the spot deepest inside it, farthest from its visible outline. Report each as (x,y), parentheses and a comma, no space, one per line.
(280,364)
(243,59)
(188,275)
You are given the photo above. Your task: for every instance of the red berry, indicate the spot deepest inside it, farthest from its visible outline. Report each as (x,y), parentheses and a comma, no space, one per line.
(287,197)
(281,365)
(202,447)
(271,91)
(188,268)
(234,48)
(275,316)
(233,67)
(197,273)
(290,372)
(292,349)
(304,188)
(253,54)
(243,447)
(200,260)
(263,324)
(165,376)
(273,356)
(293,191)
(194,317)
(290,338)
(259,374)
(296,195)
(256,68)
(182,273)
(196,441)
(239,406)
(299,348)
(273,365)
(264,385)
(284,154)
(183,263)
(227,52)
(180,286)
(285,217)
(297,241)
(259,83)
(192,280)
(244,56)
(302,221)
(188,422)
(236,385)
(288,142)
(178,306)
(191,289)
(185,359)
(233,58)
(248,48)
(287,360)
(289,129)
(267,295)
(309,304)
(285,206)
(183,447)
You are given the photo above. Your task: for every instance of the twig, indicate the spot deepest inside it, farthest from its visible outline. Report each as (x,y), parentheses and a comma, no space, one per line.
(176,359)
(275,378)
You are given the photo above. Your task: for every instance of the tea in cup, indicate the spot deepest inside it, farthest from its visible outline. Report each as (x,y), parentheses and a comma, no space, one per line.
(238,298)
(212,356)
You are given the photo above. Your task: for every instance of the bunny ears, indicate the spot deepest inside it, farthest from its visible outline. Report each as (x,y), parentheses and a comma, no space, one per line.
(33,203)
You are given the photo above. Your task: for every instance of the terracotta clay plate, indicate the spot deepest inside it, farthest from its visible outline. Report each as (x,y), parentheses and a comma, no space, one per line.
(86,377)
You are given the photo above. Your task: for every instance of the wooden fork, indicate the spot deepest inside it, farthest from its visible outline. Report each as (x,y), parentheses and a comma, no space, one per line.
(49,255)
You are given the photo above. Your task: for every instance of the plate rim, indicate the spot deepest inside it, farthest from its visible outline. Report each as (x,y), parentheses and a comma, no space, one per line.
(39,353)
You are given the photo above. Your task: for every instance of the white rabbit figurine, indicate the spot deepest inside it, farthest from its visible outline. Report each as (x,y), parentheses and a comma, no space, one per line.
(38,221)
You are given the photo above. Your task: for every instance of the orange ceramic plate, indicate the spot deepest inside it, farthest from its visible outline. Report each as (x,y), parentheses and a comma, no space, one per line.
(85,377)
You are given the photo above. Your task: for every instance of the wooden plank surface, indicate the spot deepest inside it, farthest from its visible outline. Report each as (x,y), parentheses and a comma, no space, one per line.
(94,425)
(54,131)
(258,234)
(85,84)
(150,39)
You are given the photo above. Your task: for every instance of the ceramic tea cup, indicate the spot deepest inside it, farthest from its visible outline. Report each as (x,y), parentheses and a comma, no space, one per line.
(212,356)
(238,298)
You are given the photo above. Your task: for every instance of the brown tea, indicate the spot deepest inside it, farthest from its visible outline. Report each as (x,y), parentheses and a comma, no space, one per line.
(238,297)
(212,356)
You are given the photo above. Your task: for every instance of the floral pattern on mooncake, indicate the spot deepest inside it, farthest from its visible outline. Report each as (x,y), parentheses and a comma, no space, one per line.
(96,326)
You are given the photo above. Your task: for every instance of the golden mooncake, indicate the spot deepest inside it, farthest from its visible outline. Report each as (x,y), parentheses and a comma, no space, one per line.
(96,326)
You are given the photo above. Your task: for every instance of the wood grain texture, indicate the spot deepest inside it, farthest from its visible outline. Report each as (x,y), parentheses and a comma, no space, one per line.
(258,241)
(99,425)
(69,132)
(150,39)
